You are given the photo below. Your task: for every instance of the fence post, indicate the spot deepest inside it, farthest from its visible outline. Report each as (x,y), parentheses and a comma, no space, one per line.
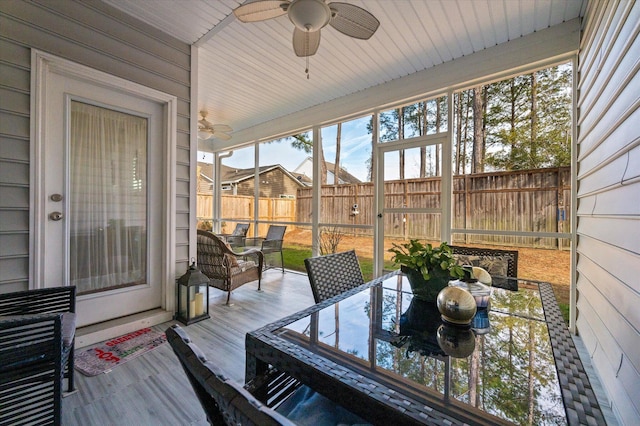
(467,206)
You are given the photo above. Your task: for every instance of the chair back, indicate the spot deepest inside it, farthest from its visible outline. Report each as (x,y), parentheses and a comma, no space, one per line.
(333,274)
(224,401)
(502,265)
(211,255)
(241,230)
(275,232)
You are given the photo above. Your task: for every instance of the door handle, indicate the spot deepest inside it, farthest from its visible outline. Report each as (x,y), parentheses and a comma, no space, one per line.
(55,216)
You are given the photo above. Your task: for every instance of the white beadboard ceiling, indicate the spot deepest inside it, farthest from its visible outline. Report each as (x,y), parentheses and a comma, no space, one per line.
(248,73)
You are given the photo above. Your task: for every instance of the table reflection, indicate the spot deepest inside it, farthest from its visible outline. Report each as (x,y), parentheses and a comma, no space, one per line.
(501,365)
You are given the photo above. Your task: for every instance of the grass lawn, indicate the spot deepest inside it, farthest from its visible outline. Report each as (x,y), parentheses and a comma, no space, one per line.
(295,255)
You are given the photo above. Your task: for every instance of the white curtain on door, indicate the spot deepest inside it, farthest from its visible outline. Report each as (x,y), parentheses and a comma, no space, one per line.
(108,198)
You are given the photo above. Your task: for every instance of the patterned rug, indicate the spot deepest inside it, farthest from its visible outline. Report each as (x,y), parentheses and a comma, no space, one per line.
(106,355)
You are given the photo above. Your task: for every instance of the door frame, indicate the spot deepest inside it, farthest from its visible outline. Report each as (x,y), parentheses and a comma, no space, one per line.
(444,140)
(43,64)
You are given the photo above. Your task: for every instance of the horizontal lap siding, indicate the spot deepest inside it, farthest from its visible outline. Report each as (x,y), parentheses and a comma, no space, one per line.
(608,192)
(94,34)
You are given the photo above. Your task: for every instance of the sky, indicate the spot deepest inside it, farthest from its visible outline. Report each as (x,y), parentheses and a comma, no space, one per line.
(355,150)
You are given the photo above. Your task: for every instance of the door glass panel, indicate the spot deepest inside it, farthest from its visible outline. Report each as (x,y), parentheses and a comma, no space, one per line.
(108,198)
(427,117)
(412,197)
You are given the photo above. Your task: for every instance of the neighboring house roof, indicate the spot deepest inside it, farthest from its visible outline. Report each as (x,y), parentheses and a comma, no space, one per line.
(229,175)
(345,176)
(306,169)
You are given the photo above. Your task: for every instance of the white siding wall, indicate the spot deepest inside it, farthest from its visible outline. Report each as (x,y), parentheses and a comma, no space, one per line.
(608,280)
(96,35)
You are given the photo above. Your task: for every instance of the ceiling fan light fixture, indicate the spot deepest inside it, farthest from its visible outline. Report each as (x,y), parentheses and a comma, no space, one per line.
(309,15)
(207,130)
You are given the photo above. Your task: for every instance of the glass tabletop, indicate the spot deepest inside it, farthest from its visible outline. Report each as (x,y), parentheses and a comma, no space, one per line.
(501,365)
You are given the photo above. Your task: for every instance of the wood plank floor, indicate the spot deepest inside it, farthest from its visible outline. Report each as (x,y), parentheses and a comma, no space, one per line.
(153,390)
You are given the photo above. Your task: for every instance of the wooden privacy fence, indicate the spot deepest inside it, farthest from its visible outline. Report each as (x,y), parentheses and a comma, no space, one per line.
(241,207)
(525,200)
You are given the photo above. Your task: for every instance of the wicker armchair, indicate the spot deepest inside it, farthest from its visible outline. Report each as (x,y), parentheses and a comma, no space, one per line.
(333,274)
(226,269)
(501,264)
(271,243)
(37,334)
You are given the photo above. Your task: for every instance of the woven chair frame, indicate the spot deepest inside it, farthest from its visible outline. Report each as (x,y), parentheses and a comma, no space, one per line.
(509,281)
(333,274)
(271,243)
(35,360)
(224,401)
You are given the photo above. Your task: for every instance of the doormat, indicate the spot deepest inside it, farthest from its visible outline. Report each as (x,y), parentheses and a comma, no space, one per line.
(106,355)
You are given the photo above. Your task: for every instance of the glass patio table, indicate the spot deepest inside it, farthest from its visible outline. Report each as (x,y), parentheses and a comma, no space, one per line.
(391,359)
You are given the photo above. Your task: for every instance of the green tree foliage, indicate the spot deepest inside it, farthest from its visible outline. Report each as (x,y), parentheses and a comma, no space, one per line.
(527,124)
(520,123)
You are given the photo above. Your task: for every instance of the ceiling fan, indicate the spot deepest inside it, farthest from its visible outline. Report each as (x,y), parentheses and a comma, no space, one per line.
(207,130)
(309,17)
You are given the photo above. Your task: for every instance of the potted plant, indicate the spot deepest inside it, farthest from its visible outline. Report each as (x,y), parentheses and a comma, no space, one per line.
(427,268)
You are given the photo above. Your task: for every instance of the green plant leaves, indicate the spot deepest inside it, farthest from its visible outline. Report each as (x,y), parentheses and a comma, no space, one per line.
(426,258)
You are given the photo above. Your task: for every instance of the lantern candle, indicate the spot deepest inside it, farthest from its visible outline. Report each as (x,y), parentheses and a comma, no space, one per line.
(199,300)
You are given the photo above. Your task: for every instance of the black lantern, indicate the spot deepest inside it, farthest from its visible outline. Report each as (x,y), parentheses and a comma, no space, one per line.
(193,296)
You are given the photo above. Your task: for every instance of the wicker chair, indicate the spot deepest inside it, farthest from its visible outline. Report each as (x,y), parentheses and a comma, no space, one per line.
(271,243)
(226,269)
(272,398)
(237,237)
(333,274)
(37,335)
(224,401)
(502,265)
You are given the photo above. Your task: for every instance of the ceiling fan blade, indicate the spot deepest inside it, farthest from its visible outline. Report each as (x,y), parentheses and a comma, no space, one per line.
(223,136)
(305,43)
(353,21)
(221,128)
(261,10)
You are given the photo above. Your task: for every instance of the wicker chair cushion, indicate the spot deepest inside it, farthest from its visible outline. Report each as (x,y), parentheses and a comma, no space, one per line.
(494,265)
(242,266)
(232,260)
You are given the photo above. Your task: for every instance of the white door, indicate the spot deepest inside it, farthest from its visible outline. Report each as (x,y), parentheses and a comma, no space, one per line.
(101,183)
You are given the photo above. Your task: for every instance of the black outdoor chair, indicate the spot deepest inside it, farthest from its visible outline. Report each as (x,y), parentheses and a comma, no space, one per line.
(224,401)
(271,243)
(237,237)
(502,265)
(37,335)
(227,402)
(333,274)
